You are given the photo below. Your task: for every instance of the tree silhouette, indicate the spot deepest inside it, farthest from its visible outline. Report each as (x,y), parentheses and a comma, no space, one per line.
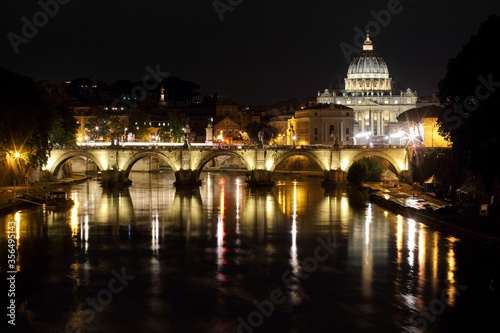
(470,93)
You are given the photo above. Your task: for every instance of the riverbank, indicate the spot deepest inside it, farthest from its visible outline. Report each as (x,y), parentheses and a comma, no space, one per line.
(9,204)
(411,204)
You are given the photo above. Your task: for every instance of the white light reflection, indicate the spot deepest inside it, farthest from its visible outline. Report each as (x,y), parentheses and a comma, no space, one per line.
(294,295)
(421,266)
(411,240)
(155,229)
(368,221)
(155,246)
(367,261)
(84,233)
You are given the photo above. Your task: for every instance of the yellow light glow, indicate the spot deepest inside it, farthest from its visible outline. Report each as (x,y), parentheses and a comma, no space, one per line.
(344,164)
(74,216)
(17,155)
(399,241)
(269,165)
(49,164)
(452,291)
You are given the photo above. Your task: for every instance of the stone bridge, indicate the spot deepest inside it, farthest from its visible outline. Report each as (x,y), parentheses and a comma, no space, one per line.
(116,162)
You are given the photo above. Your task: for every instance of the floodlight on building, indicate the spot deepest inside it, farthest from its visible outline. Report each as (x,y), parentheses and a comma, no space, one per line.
(363,134)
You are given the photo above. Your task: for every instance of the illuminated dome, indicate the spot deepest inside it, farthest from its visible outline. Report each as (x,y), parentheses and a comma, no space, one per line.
(367,71)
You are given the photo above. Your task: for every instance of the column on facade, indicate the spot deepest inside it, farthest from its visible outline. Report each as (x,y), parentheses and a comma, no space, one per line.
(378,123)
(341,136)
(371,113)
(383,124)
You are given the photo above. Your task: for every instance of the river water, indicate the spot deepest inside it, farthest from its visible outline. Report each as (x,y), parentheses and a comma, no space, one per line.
(226,258)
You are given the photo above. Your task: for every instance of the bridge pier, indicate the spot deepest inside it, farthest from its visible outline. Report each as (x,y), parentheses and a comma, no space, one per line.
(112,178)
(334,178)
(187,178)
(260,178)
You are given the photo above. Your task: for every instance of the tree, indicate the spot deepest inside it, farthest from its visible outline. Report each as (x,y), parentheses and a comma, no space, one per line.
(98,126)
(254,128)
(139,124)
(357,173)
(63,126)
(175,126)
(470,94)
(29,123)
(374,169)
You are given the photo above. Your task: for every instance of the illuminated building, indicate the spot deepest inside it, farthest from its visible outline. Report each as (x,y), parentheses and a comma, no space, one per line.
(368,91)
(423,123)
(321,126)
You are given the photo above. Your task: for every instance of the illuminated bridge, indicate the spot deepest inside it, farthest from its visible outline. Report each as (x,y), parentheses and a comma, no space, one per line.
(116,162)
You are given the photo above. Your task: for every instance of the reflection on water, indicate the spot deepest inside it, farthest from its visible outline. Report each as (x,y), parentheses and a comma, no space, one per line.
(204,257)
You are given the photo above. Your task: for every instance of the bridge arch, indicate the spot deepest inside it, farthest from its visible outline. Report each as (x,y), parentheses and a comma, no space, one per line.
(385,156)
(58,163)
(213,154)
(299,152)
(127,167)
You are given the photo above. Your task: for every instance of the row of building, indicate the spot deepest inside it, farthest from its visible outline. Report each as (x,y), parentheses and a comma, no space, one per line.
(365,112)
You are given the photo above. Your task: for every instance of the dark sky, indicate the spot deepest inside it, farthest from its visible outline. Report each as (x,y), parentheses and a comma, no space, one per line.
(262,52)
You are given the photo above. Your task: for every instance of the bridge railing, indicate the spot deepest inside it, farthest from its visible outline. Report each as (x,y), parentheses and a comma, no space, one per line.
(170,146)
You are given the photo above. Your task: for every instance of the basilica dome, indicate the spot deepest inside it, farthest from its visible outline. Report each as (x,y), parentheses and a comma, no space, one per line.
(368,71)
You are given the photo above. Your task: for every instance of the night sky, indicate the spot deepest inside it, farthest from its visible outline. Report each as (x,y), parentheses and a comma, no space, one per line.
(260,53)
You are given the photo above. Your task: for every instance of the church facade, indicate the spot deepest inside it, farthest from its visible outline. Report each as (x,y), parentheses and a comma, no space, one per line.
(368,92)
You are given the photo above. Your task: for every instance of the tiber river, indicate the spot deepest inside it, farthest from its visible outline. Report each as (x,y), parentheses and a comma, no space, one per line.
(225,258)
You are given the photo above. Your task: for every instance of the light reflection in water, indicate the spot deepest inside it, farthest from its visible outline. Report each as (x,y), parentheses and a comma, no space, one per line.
(390,270)
(238,197)
(421,265)
(451,270)
(294,295)
(17,219)
(293,250)
(74,216)
(399,237)
(435,261)
(367,261)
(221,231)
(411,241)
(155,231)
